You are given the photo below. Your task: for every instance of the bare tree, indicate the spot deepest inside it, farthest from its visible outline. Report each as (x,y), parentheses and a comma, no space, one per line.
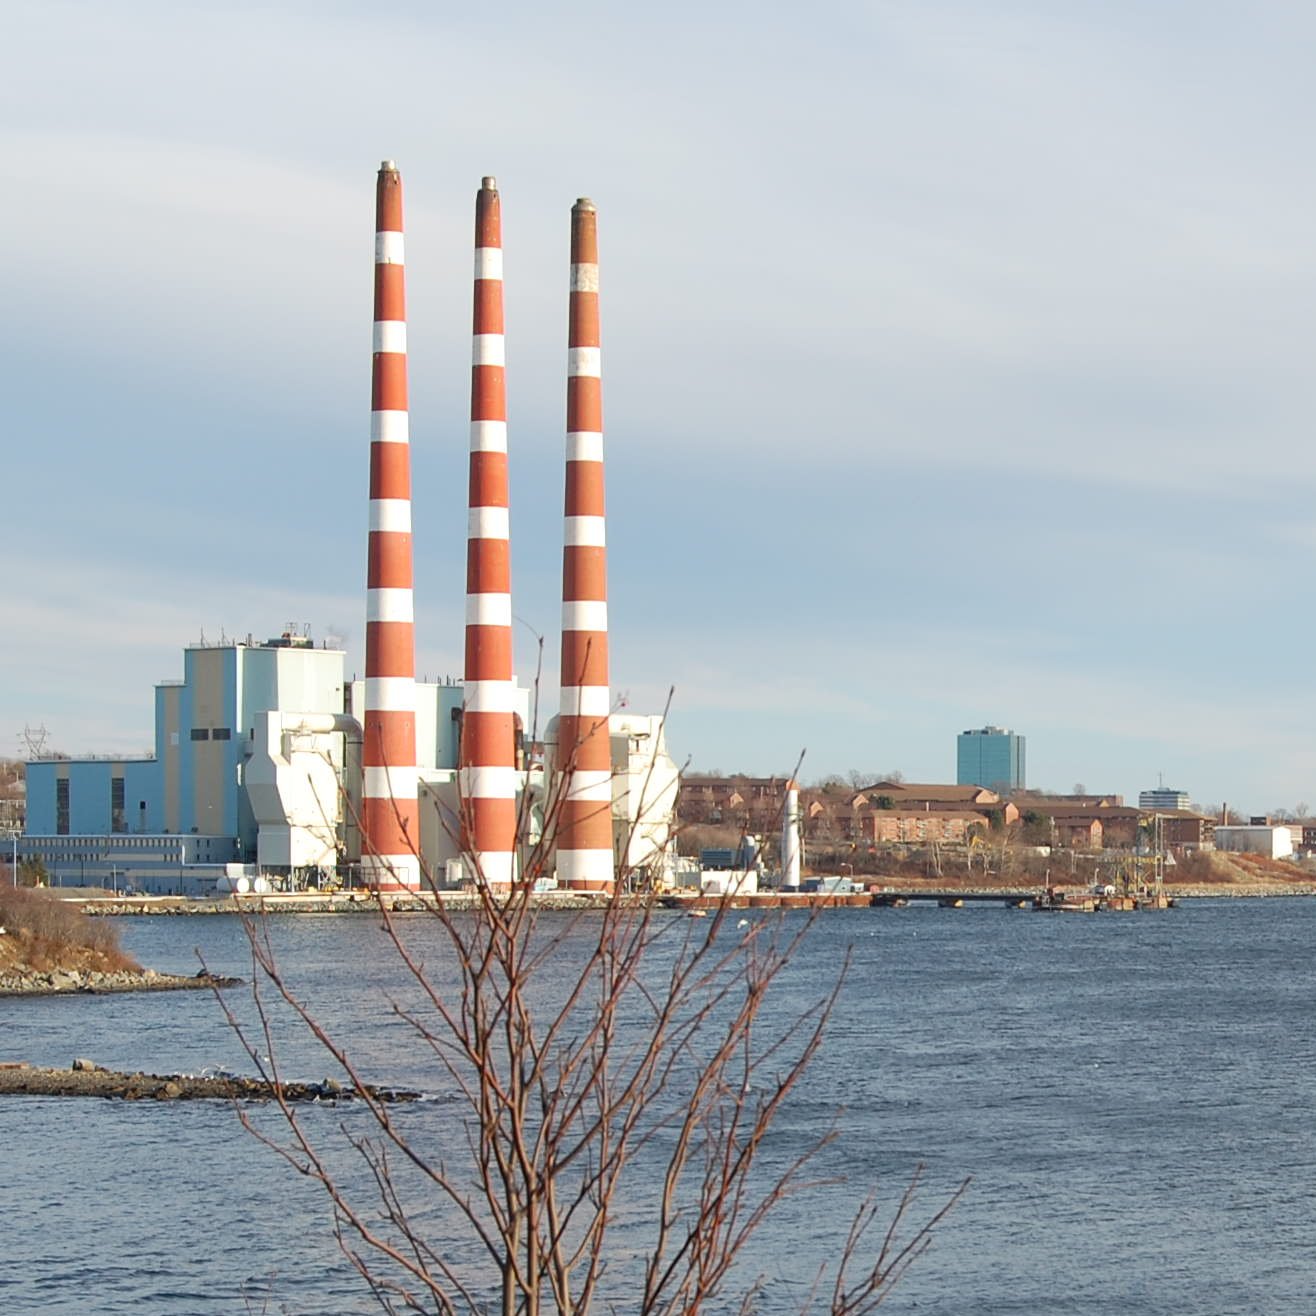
(611,1066)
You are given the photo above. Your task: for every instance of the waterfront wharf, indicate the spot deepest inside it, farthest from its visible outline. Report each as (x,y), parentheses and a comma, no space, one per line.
(365,902)
(1016,899)
(886,898)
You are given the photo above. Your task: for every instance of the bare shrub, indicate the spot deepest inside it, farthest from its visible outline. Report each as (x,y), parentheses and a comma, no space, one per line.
(54,932)
(614,1082)
(613,1066)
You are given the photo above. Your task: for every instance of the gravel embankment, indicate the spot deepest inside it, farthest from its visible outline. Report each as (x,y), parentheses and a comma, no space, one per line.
(86,1079)
(67,982)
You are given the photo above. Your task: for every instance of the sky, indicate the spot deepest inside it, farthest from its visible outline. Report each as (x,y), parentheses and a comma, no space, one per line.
(955,362)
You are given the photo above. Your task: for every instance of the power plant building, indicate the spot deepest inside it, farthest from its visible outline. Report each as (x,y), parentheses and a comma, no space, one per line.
(992,757)
(258,769)
(265,757)
(257,762)
(205,733)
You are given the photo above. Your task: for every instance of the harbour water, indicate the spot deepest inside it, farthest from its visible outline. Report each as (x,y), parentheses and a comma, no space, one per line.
(1131,1094)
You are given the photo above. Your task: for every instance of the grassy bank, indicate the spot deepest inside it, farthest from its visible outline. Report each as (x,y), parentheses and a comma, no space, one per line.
(43,934)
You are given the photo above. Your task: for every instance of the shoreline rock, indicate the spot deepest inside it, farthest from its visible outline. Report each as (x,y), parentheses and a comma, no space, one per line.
(75,982)
(87,1079)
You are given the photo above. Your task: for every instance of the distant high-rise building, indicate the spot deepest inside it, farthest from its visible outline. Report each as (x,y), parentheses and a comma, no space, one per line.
(991,757)
(1163,797)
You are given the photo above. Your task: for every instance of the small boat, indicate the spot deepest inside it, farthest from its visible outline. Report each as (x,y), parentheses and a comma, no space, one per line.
(696,913)
(1055,901)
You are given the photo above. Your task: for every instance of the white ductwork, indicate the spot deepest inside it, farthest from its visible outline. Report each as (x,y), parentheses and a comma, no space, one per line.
(303,782)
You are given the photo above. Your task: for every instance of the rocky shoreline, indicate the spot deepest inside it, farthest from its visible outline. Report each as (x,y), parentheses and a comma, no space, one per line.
(87,1079)
(79,982)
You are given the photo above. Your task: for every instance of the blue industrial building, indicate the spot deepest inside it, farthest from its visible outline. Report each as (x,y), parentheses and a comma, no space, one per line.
(205,728)
(147,818)
(992,757)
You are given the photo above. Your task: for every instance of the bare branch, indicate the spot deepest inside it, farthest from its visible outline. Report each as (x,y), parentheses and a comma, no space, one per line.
(601,1065)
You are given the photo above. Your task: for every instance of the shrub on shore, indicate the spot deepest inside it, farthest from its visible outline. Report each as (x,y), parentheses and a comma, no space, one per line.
(44,933)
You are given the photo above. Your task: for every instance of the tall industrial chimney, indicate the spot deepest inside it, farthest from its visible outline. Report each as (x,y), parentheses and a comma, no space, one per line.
(488,745)
(584,831)
(390,832)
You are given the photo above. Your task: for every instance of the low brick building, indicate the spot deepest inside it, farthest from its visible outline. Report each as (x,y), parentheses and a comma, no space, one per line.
(1182,829)
(942,825)
(1118,824)
(753,804)
(1081,830)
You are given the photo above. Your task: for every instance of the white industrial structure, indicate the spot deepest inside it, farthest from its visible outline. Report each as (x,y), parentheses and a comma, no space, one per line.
(790,839)
(645,782)
(729,882)
(303,782)
(1274,842)
(285,769)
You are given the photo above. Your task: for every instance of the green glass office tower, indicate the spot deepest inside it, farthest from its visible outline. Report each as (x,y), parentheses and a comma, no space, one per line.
(991,757)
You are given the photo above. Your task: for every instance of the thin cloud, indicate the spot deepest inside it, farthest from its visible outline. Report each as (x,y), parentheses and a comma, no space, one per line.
(905,250)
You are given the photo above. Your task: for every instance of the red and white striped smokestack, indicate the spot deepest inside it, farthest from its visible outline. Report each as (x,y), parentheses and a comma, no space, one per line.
(584,832)
(488,740)
(390,832)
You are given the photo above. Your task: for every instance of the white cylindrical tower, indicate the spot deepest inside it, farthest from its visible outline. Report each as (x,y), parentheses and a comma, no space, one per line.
(790,839)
